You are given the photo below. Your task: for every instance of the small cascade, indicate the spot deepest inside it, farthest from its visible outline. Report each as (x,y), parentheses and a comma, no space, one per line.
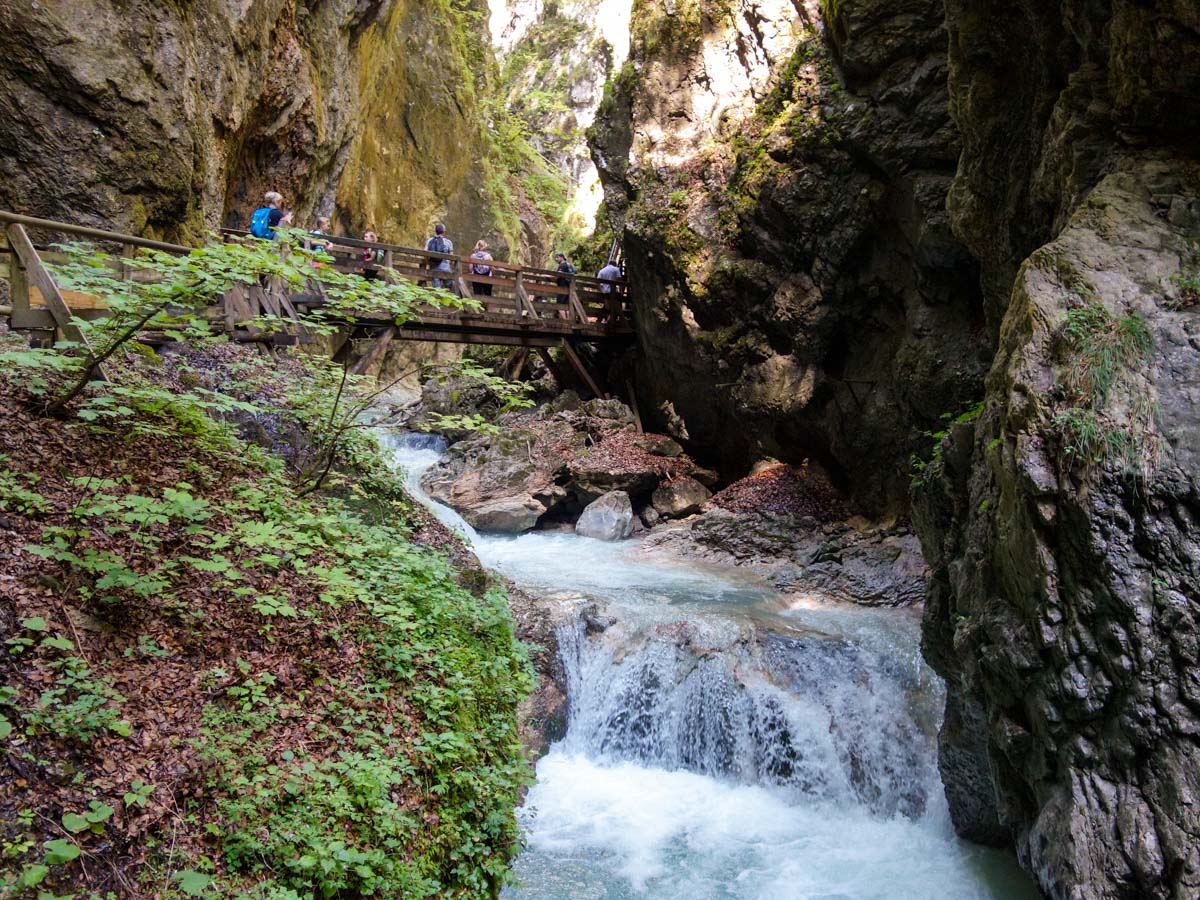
(819,719)
(719,748)
(414,452)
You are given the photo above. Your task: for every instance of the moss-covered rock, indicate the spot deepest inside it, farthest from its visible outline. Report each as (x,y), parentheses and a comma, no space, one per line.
(780,183)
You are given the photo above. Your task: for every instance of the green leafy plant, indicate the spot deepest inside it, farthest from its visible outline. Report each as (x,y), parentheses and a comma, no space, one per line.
(138,794)
(1187,280)
(922,467)
(92,820)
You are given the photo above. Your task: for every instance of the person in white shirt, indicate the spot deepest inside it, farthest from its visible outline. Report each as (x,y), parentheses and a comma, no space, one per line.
(610,272)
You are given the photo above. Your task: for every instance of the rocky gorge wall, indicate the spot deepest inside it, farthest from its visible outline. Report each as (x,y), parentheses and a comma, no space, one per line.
(170,119)
(1061,525)
(781,184)
(845,225)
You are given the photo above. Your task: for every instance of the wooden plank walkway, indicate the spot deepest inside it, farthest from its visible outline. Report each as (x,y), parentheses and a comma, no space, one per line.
(518,306)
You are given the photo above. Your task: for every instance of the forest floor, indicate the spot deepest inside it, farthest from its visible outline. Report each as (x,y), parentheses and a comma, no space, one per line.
(213,685)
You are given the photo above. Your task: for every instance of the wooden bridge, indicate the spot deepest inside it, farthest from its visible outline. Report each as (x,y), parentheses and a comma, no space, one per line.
(518,306)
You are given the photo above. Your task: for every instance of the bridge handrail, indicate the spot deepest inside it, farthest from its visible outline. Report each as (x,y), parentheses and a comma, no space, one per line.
(346,241)
(95,233)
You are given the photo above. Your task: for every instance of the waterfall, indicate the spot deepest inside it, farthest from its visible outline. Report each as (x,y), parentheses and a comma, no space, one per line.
(719,748)
(817,718)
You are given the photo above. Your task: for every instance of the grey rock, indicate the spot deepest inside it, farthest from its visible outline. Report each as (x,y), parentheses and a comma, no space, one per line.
(1055,611)
(680,497)
(649,516)
(608,518)
(505,515)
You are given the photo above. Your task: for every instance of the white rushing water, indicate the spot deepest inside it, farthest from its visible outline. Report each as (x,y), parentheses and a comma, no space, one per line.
(721,746)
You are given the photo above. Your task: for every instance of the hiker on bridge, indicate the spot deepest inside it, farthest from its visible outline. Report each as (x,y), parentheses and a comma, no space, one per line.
(439,243)
(564,280)
(610,273)
(265,219)
(371,256)
(480,265)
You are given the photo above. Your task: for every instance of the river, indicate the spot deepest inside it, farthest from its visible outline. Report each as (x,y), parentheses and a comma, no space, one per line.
(723,744)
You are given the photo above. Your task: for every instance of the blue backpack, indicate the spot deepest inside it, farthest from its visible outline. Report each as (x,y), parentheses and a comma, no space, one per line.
(260,223)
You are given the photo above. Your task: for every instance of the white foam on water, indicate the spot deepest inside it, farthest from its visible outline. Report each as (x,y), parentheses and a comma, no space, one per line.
(700,763)
(673,834)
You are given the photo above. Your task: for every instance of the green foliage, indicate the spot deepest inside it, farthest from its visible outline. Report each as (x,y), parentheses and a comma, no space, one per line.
(139,793)
(92,820)
(191,882)
(923,469)
(323,826)
(1101,347)
(331,817)
(80,705)
(504,395)
(1187,280)
(1091,439)
(16,492)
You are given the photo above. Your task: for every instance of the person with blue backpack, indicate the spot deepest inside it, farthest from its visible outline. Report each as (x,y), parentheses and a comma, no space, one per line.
(266,219)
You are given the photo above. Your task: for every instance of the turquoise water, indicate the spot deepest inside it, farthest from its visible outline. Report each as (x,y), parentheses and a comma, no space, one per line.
(722,745)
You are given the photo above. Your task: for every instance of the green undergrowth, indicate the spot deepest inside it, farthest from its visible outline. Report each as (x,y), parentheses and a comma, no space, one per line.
(241,661)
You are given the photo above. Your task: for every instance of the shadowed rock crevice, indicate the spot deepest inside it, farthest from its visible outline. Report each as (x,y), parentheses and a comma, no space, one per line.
(799,292)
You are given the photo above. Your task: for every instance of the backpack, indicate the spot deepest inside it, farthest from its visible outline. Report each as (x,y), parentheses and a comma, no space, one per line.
(479,268)
(260,223)
(437,244)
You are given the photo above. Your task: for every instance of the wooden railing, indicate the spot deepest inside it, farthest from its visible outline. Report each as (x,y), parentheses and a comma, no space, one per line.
(520,291)
(517,305)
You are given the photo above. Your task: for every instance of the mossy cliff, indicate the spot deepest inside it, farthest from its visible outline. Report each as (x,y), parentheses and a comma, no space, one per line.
(1061,525)
(172,119)
(167,119)
(782,194)
(844,223)
(427,145)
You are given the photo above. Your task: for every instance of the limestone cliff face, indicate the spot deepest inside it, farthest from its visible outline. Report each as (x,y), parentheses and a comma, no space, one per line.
(165,119)
(423,132)
(1064,610)
(168,119)
(781,181)
(1061,526)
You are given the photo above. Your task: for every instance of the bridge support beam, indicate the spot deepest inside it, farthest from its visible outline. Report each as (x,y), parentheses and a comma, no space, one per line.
(374,351)
(582,371)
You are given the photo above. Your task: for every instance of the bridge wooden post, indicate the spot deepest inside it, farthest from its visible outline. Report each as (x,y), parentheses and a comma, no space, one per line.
(576,307)
(523,295)
(377,347)
(36,276)
(127,252)
(552,366)
(581,370)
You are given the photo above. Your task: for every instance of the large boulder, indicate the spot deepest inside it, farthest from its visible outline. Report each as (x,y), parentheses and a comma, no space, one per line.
(505,515)
(680,497)
(609,518)
(504,482)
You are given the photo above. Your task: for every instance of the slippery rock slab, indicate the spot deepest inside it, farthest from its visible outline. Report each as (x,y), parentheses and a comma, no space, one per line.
(499,482)
(609,518)
(508,515)
(680,497)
